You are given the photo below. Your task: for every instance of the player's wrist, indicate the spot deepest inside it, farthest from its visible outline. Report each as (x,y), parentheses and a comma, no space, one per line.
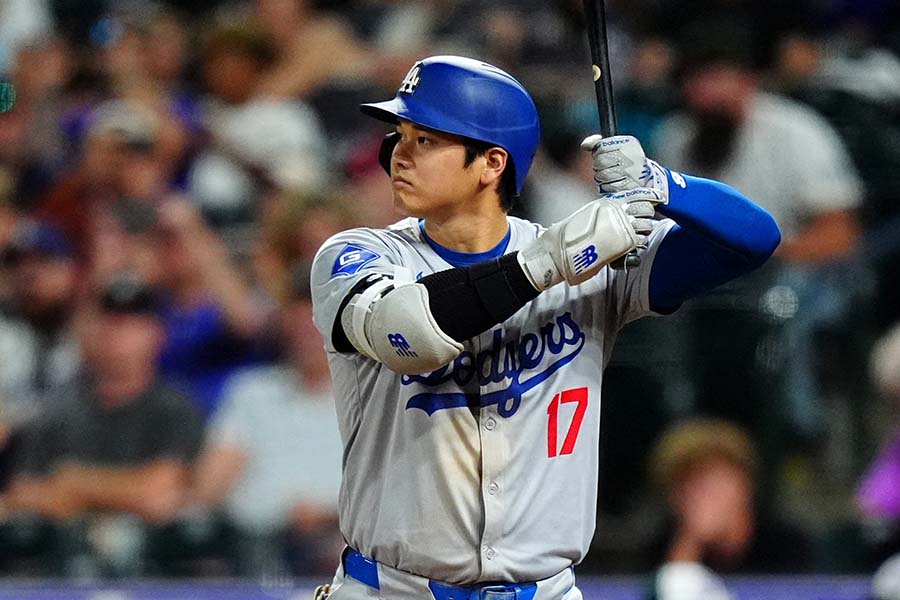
(538,266)
(657,178)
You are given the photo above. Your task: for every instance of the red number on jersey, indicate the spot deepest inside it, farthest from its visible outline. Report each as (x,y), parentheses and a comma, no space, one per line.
(579,395)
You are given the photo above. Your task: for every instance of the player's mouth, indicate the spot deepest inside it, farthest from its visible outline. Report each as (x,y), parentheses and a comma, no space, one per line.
(399,182)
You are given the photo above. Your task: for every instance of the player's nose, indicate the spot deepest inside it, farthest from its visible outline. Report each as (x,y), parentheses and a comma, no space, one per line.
(400,157)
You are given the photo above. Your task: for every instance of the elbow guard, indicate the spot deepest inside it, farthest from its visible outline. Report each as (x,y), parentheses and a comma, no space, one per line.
(395,326)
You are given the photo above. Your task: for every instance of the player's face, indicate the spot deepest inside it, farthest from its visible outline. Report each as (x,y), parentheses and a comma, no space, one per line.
(428,172)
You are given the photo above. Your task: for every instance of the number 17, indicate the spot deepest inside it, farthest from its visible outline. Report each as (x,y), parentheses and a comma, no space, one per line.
(579,395)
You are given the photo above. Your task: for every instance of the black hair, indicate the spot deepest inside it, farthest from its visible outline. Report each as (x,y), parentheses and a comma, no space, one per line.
(507,187)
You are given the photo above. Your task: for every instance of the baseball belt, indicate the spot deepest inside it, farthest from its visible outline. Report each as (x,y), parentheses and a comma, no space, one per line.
(365,570)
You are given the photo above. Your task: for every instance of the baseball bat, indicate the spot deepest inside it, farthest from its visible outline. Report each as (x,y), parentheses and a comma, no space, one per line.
(595,21)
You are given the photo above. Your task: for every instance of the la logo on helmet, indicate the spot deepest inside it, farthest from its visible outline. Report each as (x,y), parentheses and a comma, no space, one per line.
(411,81)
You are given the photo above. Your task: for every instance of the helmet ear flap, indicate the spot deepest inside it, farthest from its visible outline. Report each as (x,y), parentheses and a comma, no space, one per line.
(386,150)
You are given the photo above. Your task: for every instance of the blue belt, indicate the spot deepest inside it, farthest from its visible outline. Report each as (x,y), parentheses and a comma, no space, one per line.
(365,570)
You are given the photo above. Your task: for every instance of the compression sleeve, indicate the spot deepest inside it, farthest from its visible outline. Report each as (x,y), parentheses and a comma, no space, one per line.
(467,301)
(719,235)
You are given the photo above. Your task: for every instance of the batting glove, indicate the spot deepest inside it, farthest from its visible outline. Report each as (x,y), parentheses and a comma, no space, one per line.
(620,164)
(576,248)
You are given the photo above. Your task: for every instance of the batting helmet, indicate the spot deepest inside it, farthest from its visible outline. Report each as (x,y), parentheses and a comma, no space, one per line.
(468,98)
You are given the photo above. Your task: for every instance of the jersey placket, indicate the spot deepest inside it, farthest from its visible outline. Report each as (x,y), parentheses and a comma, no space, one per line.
(494,431)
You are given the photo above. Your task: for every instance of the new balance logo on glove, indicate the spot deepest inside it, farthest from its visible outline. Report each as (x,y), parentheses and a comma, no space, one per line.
(585,259)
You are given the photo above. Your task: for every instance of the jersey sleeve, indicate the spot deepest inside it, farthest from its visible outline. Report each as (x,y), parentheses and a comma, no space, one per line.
(629,289)
(341,263)
(720,235)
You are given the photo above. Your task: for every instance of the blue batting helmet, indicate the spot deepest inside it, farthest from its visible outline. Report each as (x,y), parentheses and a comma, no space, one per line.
(468,98)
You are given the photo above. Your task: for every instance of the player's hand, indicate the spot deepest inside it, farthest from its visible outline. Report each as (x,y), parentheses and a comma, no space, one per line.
(620,164)
(576,248)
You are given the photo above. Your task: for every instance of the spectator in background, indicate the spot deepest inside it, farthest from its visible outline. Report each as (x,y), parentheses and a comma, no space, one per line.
(272,459)
(650,93)
(167,50)
(21,22)
(870,535)
(144,56)
(210,314)
(32,145)
(857,88)
(125,238)
(116,160)
(257,141)
(707,470)
(768,145)
(141,52)
(39,354)
(886,581)
(8,219)
(293,227)
(312,49)
(878,494)
(168,53)
(788,157)
(122,441)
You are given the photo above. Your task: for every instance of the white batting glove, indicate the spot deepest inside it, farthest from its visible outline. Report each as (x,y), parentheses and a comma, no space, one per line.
(620,164)
(576,248)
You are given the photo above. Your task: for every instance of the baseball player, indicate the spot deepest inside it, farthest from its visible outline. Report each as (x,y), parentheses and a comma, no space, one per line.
(467,347)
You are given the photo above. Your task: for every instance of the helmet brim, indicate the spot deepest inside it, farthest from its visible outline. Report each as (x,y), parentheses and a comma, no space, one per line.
(387,111)
(391,111)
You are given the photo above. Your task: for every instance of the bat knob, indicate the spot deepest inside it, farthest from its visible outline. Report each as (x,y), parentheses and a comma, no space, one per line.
(629,261)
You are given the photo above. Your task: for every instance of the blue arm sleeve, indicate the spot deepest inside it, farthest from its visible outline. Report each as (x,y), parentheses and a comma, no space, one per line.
(719,235)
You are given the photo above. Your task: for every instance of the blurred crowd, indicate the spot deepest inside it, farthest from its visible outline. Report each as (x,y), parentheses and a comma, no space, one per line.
(168,170)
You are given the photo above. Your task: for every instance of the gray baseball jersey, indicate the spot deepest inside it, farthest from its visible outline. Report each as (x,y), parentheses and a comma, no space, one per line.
(485,469)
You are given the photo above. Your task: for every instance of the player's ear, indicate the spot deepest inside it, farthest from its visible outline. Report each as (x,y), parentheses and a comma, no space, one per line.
(495,159)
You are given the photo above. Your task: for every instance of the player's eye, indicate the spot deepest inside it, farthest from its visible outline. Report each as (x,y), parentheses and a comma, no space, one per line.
(423,141)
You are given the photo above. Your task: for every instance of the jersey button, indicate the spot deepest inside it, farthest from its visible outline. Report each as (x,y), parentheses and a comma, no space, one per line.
(493,488)
(490,424)
(490,553)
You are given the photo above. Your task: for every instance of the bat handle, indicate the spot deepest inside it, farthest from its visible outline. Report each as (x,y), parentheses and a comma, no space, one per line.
(595,18)
(632,260)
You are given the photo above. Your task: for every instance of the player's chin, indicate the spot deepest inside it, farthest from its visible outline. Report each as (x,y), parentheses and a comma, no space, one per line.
(407,203)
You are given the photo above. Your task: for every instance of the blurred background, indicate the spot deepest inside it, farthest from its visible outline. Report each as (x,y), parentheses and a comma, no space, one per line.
(168,170)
